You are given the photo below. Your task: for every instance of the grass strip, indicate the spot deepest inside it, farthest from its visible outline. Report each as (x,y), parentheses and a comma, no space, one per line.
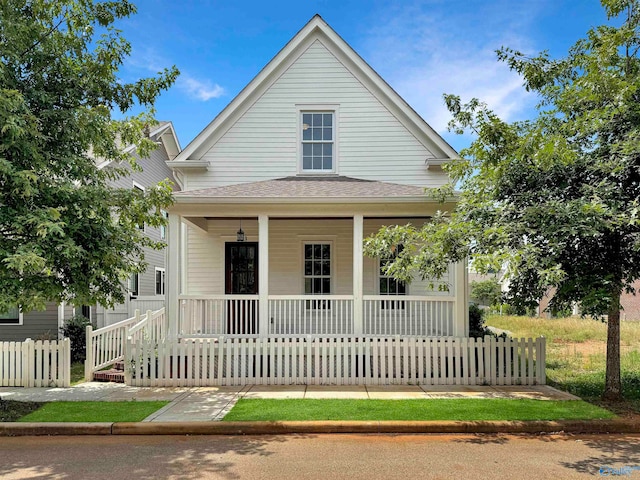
(427,409)
(12,410)
(93,411)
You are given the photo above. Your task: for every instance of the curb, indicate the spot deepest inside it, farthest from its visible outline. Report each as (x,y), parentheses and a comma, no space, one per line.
(319,427)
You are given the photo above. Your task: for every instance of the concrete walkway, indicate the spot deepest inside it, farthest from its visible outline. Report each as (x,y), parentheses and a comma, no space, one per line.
(206,404)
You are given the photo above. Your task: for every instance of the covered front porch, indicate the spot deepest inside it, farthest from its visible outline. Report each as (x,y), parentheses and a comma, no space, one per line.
(299,269)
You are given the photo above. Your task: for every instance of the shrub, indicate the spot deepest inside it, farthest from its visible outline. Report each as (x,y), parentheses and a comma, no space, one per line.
(476,322)
(75,330)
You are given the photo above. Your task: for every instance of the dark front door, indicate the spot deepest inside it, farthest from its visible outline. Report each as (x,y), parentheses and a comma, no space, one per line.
(241,278)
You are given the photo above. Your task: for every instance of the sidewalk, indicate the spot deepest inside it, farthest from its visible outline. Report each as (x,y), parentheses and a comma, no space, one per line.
(206,404)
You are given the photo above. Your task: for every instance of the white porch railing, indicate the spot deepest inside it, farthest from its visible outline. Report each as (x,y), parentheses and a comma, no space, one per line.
(105,346)
(408,315)
(336,361)
(207,315)
(310,314)
(383,315)
(152,325)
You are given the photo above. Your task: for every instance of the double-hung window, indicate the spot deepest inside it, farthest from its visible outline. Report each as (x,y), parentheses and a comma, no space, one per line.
(134,285)
(11,317)
(389,285)
(160,281)
(318,142)
(139,188)
(317,273)
(163,228)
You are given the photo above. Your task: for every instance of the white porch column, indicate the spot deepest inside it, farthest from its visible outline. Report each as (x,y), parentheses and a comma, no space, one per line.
(173,275)
(263,275)
(461,313)
(358,322)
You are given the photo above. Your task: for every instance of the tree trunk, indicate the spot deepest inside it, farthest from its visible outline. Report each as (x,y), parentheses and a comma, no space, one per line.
(613,384)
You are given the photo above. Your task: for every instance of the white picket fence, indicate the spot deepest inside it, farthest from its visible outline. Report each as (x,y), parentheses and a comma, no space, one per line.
(335,361)
(105,346)
(35,364)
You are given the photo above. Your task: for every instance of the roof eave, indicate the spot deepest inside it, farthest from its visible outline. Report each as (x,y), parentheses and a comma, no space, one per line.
(184,199)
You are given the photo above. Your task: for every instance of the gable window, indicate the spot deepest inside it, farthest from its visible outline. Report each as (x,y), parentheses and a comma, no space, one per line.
(159,281)
(317,273)
(318,142)
(11,317)
(389,285)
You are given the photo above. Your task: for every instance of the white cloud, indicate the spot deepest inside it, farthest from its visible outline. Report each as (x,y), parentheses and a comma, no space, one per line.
(198,89)
(150,61)
(445,50)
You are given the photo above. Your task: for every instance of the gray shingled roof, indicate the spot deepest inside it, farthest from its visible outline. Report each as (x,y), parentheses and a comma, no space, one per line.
(308,186)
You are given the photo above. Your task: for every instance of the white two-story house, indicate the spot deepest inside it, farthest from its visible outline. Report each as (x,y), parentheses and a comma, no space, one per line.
(279,191)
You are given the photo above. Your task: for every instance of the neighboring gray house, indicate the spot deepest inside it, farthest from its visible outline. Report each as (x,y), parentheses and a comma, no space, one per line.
(145,291)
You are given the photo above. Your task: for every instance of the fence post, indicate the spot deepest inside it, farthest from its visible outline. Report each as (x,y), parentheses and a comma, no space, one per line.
(127,357)
(540,361)
(88,359)
(66,360)
(24,347)
(31,354)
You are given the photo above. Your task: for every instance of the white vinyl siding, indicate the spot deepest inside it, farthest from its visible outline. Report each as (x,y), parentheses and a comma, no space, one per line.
(205,260)
(263,142)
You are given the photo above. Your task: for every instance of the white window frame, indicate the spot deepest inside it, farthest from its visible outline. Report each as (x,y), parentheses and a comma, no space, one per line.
(318,108)
(20,320)
(139,187)
(164,281)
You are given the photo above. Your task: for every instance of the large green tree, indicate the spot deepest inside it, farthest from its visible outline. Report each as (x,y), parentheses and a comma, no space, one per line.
(556,198)
(66,234)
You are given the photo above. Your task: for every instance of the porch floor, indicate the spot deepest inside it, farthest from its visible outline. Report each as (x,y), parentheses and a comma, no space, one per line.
(206,404)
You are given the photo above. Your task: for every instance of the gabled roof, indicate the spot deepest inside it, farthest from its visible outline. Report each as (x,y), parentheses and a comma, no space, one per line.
(164,135)
(307,188)
(315,29)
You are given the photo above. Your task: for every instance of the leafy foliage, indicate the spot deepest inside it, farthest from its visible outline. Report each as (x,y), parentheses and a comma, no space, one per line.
(487,292)
(75,330)
(555,198)
(66,233)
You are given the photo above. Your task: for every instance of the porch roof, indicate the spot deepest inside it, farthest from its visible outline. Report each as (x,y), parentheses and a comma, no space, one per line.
(306,187)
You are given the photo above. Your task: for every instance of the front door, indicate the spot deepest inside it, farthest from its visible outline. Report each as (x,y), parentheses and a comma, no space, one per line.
(241,278)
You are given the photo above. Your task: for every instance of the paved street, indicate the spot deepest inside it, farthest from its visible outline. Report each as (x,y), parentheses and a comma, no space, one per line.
(317,456)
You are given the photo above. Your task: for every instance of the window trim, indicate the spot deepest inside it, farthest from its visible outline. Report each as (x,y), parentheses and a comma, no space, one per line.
(318,108)
(20,320)
(164,281)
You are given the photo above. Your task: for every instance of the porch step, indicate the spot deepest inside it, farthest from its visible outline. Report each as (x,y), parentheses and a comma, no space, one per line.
(115,374)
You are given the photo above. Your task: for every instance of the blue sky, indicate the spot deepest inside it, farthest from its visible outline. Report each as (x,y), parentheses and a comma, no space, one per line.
(421,48)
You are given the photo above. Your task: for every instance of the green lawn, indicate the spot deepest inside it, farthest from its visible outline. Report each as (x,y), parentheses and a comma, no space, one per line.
(576,355)
(432,409)
(93,412)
